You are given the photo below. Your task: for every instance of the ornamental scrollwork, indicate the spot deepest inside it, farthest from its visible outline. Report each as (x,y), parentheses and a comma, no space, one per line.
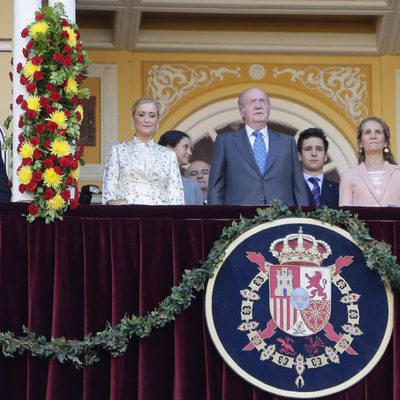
(346,86)
(169,83)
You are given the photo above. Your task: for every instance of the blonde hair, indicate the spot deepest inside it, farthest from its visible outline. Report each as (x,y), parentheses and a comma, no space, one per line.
(145,100)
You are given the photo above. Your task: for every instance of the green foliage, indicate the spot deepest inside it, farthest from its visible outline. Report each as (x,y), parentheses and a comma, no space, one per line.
(115,339)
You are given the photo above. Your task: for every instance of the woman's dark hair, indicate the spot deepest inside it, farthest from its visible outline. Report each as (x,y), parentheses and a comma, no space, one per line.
(387,153)
(172,138)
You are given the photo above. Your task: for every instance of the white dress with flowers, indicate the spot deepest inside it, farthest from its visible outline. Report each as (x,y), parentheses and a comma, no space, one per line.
(142,173)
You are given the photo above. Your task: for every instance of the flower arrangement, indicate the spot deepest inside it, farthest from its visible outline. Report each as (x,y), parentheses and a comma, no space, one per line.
(52,114)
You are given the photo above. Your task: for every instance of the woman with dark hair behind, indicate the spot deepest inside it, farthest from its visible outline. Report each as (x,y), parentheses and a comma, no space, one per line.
(376,179)
(180,143)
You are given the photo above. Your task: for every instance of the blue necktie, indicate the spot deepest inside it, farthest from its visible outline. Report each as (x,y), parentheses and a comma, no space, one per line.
(260,152)
(316,191)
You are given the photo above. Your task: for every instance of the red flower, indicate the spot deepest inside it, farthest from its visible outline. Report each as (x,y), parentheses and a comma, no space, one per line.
(19,67)
(21,122)
(33,209)
(79,78)
(31,186)
(64,22)
(77,34)
(51,43)
(44,101)
(62,132)
(67,61)
(49,109)
(68,114)
(67,49)
(26,161)
(37,60)
(24,105)
(34,140)
(19,99)
(30,87)
(47,144)
(48,194)
(73,203)
(69,181)
(22,188)
(73,164)
(37,154)
(37,176)
(58,58)
(39,129)
(51,126)
(25,32)
(50,87)
(80,58)
(47,163)
(30,45)
(78,44)
(64,162)
(55,96)
(25,52)
(74,100)
(78,115)
(65,194)
(30,114)
(65,35)
(23,80)
(39,16)
(58,170)
(38,76)
(21,138)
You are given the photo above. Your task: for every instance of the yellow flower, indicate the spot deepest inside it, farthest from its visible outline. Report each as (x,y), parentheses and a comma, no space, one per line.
(30,69)
(55,203)
(75,173)
(25,174)
(71,41)
(72,86)
(59,118)
(79,109)
(51,178)
(38,27)
(33,103)
(26,150)
(60,148)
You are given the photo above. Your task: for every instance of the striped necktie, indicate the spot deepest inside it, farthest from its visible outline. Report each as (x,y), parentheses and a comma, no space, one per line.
(316,191)
(260,151)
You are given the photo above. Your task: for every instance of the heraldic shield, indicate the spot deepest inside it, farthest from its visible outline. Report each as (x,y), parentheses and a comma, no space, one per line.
(289,309)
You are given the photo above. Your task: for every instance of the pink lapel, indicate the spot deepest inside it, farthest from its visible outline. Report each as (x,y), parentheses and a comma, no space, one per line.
(363,172)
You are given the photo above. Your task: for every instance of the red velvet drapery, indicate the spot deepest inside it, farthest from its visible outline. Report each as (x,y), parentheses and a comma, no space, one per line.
(100,263)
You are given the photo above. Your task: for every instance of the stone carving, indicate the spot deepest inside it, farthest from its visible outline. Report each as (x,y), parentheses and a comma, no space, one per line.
(344,85)
(169,83)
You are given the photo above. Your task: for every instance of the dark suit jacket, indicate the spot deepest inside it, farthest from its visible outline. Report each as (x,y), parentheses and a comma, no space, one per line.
(236,179)
(5,193)
(329,193)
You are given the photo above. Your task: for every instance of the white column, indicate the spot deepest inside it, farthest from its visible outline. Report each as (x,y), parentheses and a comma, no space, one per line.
(69,7)
(24,14)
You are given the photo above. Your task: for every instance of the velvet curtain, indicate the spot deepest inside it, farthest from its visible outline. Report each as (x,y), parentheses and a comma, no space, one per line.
(69,278)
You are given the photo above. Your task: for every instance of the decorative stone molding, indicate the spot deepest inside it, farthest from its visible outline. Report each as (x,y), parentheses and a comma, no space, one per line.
(345,86)
(169,83)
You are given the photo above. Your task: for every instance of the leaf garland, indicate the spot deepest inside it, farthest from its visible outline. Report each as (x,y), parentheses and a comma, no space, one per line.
(115,339)
(54,69)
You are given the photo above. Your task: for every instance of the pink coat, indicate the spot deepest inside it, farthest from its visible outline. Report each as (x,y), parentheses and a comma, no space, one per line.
(356,188)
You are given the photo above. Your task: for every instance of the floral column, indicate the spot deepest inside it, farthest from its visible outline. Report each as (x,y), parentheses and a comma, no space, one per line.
(24,13)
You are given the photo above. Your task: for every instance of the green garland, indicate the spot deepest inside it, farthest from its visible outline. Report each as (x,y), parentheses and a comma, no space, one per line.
(115,339)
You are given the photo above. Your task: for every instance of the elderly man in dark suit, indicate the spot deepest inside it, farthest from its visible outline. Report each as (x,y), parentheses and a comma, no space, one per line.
(312,146)
(255,165)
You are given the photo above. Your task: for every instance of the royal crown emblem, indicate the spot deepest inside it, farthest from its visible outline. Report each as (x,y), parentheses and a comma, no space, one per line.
(286,307)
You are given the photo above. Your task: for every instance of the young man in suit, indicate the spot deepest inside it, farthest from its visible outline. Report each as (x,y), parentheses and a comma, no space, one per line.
(312,146)
(255,165)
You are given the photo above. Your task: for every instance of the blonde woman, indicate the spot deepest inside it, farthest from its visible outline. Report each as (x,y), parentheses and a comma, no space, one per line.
(140,171)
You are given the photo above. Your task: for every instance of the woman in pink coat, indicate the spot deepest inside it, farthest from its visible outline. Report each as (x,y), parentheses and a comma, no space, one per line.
(376,179)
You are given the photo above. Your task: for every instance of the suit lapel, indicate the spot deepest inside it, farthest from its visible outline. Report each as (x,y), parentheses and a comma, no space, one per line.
(242,143)
(274,149)
(387,173)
